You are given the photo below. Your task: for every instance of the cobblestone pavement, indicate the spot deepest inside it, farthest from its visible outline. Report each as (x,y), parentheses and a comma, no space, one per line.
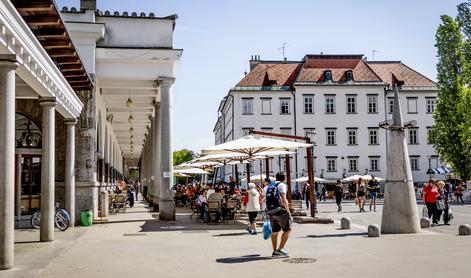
(136,244)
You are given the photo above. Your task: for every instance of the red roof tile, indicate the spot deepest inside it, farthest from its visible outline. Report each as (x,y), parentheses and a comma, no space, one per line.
(271,74)
(390,70)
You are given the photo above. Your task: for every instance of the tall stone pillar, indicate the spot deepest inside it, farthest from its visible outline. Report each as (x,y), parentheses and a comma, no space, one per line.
(18,189)
(156,155)
(8,66)
(400,213)
(70,170)
(152,162)
(48,168)
(167,203)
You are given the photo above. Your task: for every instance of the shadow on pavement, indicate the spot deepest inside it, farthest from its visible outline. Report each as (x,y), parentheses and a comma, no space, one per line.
(244,259)
(338,235)
(121,221)
(234,234)
(186,225)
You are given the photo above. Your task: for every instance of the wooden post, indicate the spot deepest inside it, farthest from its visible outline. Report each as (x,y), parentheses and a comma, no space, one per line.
(248,173)
(261,173)
(267,167)
(288,177)
(236,169)
(312,196)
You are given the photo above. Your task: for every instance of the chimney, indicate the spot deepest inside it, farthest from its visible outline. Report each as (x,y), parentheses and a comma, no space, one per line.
(88,5)
(254,61)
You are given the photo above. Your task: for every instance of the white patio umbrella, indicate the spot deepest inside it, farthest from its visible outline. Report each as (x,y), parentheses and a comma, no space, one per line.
(190,171)
(369,177)
(306,179)
(257,178)
(351,178)
(253,146)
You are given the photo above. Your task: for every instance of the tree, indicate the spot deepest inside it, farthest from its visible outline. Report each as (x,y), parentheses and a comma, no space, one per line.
(451,132)
(182,156)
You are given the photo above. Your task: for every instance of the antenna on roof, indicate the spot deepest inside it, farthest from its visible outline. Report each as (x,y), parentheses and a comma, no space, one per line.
(283,50)
(374,51)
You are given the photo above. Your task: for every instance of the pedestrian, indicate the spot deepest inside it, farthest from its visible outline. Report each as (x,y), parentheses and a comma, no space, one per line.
(459,193)
(338,193)
(307,194)
(442,203)
(232,185)
(361,192)
(373,189)
(279,214)
(430,199)
(252,207)
(323,193)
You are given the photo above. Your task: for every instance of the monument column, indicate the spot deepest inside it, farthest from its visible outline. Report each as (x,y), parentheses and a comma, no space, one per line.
(167,203)
(8,66)
(48,168)
(70,170)
(157,182)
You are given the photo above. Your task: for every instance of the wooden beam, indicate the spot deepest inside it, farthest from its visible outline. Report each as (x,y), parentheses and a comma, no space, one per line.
(77,73)
(56,44)
(71,67)
(78,79)
(48,33)
(61,52)
(42,20)
(33,6)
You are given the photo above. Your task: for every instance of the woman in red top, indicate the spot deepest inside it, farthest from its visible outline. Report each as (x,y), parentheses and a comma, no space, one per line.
(430,198)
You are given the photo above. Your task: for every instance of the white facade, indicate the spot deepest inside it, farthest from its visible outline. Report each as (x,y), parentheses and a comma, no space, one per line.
(349,149)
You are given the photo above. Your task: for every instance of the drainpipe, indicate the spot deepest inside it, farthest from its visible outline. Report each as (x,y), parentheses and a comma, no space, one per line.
(293,93)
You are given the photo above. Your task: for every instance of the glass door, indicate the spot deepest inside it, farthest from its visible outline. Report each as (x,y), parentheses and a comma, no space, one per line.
(30,183)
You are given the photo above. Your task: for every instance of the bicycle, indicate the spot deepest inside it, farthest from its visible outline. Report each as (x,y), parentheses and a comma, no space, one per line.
(61,219)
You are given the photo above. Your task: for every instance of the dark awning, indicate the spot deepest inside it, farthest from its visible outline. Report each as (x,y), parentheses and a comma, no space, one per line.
(43,18)
(440,170)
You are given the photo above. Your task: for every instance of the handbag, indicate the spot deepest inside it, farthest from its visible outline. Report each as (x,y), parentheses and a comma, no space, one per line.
(440,205)
(450,214)
(425,212)
(266,227)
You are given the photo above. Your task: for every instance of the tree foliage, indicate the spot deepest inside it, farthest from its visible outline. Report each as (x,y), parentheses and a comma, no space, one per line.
(182,156)
(451,132)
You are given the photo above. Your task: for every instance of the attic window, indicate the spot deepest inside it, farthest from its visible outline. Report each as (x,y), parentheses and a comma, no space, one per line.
(328,75)
(349,75)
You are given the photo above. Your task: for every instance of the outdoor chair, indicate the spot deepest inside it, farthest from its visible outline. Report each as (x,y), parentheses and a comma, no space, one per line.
(214,210)
(296,207)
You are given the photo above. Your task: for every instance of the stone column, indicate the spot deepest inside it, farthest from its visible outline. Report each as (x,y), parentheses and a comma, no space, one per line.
(70,170)
(167,203)
(18,189)
(152,163)
(156,150)
(8,66)
(48,168)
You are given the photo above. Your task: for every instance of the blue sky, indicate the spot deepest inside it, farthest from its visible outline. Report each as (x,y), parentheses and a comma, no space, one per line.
(219,36)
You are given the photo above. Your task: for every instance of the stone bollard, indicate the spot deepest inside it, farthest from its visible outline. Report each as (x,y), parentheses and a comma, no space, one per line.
(345,223)
(464,230)
(373,230)
(424,222)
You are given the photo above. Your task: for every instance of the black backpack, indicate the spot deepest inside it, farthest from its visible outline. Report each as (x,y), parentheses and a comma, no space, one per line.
(273,197)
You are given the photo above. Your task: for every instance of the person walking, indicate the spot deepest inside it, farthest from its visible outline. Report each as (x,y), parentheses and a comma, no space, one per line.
(361,192)
(253,207)
(279,214)
(442,203)
(373,189)
(459,193)
(307,194)
(430,199)
(338,193)
(323,193)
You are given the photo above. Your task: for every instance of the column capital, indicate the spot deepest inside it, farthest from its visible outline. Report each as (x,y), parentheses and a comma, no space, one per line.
(8,61)
(70,121)
(47,101)
(166,81)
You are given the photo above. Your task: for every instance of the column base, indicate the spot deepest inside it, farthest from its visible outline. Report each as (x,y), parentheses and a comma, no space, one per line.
(156,202)
(167,209)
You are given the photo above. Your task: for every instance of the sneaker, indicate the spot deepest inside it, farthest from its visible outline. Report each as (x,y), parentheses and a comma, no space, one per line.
(254,232)
(275,254)
(249,230)
(370,207)
(282,252)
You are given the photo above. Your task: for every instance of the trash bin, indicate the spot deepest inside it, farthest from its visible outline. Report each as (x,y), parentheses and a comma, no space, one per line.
(86,217)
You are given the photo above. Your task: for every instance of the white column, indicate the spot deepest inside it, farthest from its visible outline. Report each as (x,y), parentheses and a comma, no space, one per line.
(156,156)
(18,188)
(167,203)
(8,65)
(48,168)
(70,170)
(152,161)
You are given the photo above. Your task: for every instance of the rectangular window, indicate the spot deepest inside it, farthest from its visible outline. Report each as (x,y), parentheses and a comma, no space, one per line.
(390,105)
(353,164)
(267,129)
(308,104)
(372,104)
(412,105)
(431,102)
(285,130)
(373,136)
(284,106)
(374,163)
(330,133)
(414,163)
(266,106)
(331,164)
(309,132)
(247,106)
(351,104)
(352,136)
(413,136)
(330,104)
(246,131)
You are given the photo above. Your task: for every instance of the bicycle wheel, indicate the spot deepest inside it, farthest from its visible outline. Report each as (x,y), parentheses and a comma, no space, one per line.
(36,220)
(62,219)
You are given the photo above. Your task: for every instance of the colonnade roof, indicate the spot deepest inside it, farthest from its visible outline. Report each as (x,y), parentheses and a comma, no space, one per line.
(44,20)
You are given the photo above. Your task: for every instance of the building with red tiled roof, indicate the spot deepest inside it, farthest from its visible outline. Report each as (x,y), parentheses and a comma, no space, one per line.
(340,98)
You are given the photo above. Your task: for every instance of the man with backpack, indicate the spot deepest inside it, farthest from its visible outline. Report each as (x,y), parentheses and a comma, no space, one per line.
(278,211)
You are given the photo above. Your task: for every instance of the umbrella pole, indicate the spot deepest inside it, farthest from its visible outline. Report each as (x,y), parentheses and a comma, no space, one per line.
(261,173)
(312,197)
(288,176)
(248,173)
(267,167)
(236,175)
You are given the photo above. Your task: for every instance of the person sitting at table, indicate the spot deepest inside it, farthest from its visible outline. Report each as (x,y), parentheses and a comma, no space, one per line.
(202,202)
